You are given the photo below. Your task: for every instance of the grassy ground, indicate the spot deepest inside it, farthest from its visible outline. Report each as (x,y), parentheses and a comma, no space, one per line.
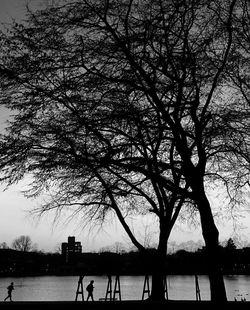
(125,305)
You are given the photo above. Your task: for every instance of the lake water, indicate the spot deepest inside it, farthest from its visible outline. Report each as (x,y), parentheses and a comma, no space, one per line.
(57,288)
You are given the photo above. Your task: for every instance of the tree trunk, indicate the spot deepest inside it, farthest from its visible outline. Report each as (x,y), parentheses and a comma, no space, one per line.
(159,258)
(157,263)
(211,238)
(157,292)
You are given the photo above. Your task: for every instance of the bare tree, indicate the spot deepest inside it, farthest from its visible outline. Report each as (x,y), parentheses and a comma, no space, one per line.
(22,243)
(3,245)
(122,108)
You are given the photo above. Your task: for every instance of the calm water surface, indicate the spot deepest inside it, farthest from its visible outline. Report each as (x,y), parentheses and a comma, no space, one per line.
(56,288)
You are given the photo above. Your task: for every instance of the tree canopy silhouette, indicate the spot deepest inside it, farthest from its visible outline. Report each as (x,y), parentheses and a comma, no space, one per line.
(22,243)
(130,107)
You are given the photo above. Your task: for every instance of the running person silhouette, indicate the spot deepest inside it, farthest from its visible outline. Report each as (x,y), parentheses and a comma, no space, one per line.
(10,288)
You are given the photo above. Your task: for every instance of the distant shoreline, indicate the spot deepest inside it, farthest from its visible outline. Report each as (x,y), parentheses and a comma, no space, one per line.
(23,264)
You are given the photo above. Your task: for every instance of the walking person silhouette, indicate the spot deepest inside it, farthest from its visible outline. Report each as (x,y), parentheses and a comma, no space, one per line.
(90,288)
(10,288)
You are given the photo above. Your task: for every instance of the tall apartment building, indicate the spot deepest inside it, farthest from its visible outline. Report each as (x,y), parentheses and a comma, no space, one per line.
(71,250)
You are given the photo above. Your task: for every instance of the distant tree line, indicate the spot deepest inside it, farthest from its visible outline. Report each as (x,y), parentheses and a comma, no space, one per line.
(22,243)
(21,263)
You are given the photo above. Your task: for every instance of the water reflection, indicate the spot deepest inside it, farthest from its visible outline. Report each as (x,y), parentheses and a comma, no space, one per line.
(56,288)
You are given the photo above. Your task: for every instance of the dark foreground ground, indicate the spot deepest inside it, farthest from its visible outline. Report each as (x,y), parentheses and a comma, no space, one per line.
(125,305)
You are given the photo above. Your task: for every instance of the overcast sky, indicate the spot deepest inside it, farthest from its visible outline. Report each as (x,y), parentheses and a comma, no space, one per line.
(14,218)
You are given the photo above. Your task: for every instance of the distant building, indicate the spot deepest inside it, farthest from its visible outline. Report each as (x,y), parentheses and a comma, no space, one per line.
(71,250)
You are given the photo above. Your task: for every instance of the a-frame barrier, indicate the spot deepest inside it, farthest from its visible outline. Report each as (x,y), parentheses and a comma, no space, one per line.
(146,287)
(117,288)
(111,294)
(79,290)
(197,288)
(165,283)
(109,289)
